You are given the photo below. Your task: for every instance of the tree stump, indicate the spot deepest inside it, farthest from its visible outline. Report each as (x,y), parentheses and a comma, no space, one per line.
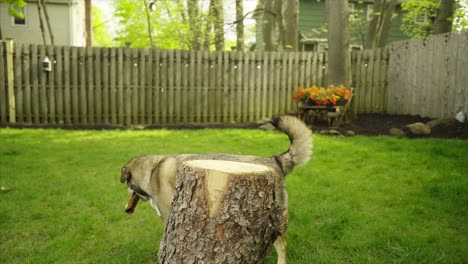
(223,212)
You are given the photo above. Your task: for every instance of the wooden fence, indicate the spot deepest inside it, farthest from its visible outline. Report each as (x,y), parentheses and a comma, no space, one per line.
(120,86)
(426,77)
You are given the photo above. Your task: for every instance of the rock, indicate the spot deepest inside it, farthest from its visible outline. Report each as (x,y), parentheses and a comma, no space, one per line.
(440,121)
(434,123)
(396,132)
(334,132)
(419,128)
(350,133)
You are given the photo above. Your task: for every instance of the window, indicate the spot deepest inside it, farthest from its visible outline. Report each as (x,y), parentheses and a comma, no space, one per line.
(20,20)
(421,19)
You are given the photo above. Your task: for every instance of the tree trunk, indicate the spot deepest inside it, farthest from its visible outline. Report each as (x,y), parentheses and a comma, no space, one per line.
(240,25)
(280,22)
(223,212)
(268,25)
(89,23)
(292,21)
(148,23)
(218,13)
(49,27)
(379,26)
(195,24)
(339,55)
(384,29)
(41,23)
(442,22)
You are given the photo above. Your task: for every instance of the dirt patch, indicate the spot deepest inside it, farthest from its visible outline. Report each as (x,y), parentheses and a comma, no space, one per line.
(380,124)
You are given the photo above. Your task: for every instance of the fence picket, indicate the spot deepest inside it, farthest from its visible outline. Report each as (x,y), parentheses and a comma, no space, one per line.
(59,107)
(19,84)
(3,90)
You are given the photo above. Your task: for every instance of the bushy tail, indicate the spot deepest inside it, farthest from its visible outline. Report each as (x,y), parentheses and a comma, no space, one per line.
(299,134)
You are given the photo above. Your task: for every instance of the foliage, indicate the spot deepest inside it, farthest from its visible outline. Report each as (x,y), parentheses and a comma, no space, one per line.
(14,4)
(360,199)
(460,20)
(331,95)
(173,27)
(168,29)
(101,35)
(419,16)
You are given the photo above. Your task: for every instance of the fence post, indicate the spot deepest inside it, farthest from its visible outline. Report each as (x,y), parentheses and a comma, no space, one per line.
(11,80)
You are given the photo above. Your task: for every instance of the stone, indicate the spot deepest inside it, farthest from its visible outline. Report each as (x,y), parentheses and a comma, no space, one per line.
(419,128)
(350,133)
(334,132)
(440,121)
(396,132)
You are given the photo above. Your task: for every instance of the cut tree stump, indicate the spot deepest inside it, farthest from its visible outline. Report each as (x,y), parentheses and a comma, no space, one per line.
(223,212)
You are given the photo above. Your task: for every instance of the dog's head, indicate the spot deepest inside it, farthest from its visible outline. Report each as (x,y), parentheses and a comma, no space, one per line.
(137,173)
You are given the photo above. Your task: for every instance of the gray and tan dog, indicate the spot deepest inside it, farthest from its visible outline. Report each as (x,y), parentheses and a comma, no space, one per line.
(153,177)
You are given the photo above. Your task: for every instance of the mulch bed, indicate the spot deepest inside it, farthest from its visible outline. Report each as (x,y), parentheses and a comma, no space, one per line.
(380,124)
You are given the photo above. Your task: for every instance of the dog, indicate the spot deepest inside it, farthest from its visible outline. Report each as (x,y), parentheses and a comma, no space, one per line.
(153,177)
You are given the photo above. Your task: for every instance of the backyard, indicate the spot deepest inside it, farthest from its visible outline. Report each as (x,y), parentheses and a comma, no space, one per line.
(359,200)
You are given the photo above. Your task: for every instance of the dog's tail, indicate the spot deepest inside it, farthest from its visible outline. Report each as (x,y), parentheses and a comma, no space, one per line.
(300,136)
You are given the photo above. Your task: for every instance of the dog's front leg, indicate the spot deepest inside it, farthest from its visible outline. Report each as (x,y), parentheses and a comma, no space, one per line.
(280,247)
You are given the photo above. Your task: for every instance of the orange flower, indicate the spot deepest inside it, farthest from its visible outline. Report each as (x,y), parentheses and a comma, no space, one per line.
(322,96)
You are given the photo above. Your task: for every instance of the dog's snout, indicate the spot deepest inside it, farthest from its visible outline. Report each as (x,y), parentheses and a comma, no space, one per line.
(126,175)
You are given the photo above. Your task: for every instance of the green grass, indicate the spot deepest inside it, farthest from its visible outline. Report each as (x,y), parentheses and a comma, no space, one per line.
(360,199)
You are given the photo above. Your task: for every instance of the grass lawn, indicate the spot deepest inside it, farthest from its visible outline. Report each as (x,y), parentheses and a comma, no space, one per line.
(360,199)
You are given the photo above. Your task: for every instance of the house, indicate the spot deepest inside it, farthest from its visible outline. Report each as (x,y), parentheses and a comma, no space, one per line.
(66,18)
(313,20)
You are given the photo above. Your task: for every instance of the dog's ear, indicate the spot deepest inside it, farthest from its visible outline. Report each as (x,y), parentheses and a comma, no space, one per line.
(126,175)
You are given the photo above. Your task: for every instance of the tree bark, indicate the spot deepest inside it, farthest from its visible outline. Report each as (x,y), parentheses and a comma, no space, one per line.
(223,212)
(218,14)
(195,23)
(89,23)
(41,23)
(442,23)
(292,20)
(49,27)
(281,26)
(148,24)
(339,54)
(379,26)
(268,25)
(240,25)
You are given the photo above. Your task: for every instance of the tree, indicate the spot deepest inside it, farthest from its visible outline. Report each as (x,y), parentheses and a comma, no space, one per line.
(88,23)
(379,26)
(218,24)
(240,25)
(280,21)
(101,34)
(174,24)
(292,24)
(443,20)
(13,6)
(425,17)
(268,25)
(47,19)
(339,56)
